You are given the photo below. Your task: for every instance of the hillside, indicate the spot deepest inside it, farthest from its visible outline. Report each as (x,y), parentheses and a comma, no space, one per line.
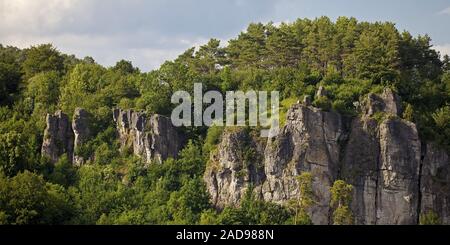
(85,144)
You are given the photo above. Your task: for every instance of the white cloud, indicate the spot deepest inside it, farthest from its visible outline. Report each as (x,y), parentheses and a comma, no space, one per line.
(445,11)
(34,15)
(145,32)
(444,49)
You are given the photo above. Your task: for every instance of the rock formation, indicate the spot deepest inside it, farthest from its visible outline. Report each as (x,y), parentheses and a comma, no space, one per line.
(396,177)
(308,142)
(435,183)
(233,167)
(152,137)
(81,125)
(58,137)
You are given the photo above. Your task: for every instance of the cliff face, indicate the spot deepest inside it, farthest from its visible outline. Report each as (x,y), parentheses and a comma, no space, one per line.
(81,124)
(58,137)
(152,137)
(233,167)
(308,142)
(396,177)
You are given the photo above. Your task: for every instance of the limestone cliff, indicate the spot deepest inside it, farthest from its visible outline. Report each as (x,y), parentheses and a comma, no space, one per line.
(152,137)
(396,177)
(81,125)
(58,137)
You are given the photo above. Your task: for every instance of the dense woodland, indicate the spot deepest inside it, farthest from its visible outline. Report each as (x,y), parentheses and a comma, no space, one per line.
(349,58)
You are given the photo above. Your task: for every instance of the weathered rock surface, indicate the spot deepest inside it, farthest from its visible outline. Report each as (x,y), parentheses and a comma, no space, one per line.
(387,102)
(58,137)
(81,124)
(399,173)
(152,137)
(435,183)
(360,167)
(233,166)
(395,177)
(308,142)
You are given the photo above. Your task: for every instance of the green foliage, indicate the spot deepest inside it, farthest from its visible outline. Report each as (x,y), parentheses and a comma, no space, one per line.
(322,102)
(43,88)
(441,119)
(187,204)
(429,218)
(42,58)
(27,199)
(408,113)
(341,197)
(13,148)
(212,139)
(63,173)
(304,201)
(10,73)
(253,211)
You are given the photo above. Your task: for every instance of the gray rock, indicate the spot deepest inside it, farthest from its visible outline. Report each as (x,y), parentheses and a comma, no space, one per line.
(307,100)
(398,191)
(81,124)
(321,92)
(151,137)
(395,178)
(233,167)
(308,142)
(388,102)
(360,167)
(435,183)
(58,137)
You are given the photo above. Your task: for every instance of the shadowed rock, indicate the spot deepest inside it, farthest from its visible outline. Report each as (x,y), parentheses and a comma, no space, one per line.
(58,137)
(151,137)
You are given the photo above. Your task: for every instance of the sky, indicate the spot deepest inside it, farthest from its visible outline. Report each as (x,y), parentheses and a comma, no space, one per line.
(149,32)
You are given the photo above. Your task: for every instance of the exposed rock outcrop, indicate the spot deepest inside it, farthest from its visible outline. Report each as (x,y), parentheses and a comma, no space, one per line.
(234,165)
(435,183)
(81,124)
(396,177)
(387,102)
(308,142)
(399,173)
(152,137)
(58,137)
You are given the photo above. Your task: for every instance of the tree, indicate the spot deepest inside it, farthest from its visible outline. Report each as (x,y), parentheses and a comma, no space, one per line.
(209,56)
(42,58)
(187,204)
(321,46)
(43,88)
(249,48)
(13,150)
(27,199)
(446,63)
(124,67)
(305,199)
(376,54)
(341,197)
(282,47)
(10,73)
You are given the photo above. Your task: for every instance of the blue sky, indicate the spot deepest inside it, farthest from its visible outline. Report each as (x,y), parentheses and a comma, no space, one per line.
(150,32)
